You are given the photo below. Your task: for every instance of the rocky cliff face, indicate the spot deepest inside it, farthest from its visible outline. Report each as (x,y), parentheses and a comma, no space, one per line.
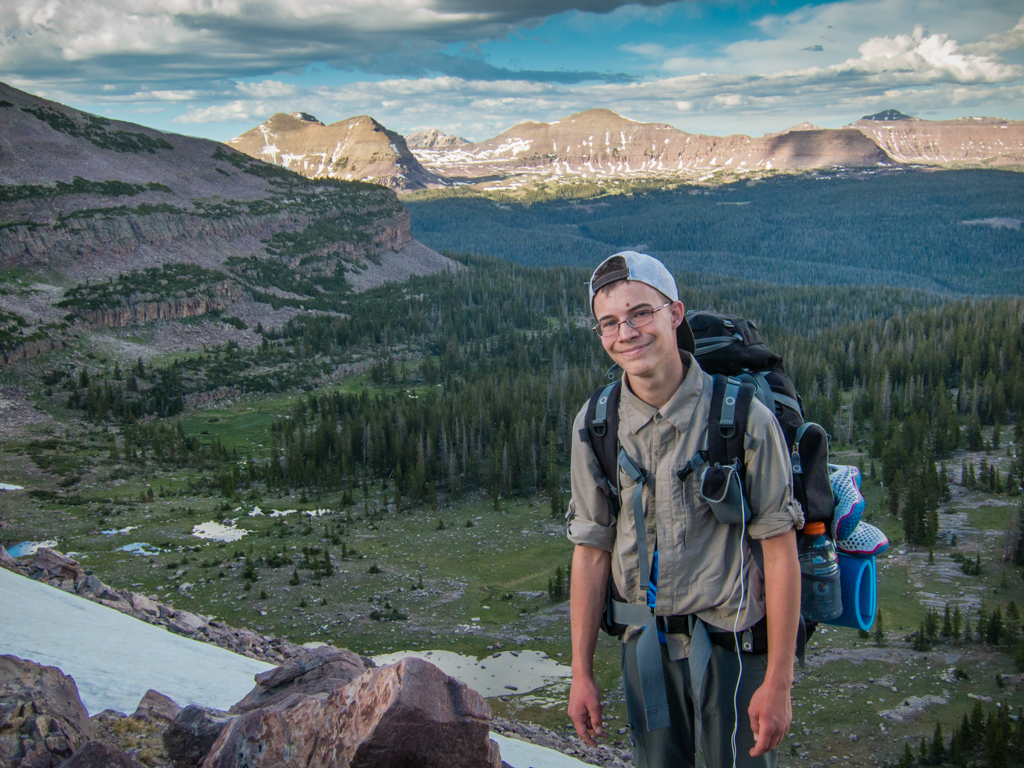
(356,149)
(599,143)
(175,309)
(986,141)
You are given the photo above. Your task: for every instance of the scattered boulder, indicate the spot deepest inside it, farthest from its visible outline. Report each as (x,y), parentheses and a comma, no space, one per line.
(155,706)
(189,737)
(108,716)
(409,713)
(185,623)
(322,670)
(90,586)
(42,717)
(96,754)
(8,562)
(57,566)
(142,604)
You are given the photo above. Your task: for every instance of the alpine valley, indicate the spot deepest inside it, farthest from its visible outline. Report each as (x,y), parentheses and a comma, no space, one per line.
(315,386)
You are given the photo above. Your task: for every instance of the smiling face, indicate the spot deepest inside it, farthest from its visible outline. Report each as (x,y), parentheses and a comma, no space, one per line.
(649,352)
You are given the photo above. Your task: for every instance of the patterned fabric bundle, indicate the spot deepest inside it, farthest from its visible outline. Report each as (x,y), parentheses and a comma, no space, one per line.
(851,535)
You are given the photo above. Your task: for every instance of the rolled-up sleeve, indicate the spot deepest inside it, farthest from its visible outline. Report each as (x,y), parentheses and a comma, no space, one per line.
(589,521)
(769,477)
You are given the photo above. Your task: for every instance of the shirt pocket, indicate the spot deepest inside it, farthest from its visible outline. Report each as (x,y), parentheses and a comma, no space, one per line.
(705,544)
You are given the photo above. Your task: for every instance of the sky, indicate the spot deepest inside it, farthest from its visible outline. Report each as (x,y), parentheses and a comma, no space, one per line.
(473,68)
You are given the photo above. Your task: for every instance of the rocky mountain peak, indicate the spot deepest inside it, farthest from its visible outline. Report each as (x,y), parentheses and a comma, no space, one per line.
(356,149)
(431,138)
(888,115)
(305,117)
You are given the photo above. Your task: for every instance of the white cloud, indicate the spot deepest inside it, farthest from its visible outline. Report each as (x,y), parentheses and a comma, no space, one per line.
(728,100)
(267,89)
(1011,40)
(234,111)
(930,57)
(232,38)
(173,95)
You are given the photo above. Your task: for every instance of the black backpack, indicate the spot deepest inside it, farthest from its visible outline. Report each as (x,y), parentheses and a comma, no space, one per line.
(731,346)
(731,349)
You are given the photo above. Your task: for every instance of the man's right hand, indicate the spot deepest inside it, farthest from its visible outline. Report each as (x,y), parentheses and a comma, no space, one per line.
(585,709)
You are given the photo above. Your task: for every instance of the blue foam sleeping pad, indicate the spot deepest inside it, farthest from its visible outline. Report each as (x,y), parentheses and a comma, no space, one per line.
(859,588)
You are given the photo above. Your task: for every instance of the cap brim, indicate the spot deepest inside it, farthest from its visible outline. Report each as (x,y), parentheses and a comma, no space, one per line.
(684,338)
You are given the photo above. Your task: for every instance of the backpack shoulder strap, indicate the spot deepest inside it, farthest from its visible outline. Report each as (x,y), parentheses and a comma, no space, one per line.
(601,430)
(727,422)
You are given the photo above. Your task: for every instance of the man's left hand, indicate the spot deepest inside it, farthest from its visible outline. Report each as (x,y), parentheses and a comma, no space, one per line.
(770,712)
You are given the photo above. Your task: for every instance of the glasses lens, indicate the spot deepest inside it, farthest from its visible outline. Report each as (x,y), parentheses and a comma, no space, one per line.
(641,318)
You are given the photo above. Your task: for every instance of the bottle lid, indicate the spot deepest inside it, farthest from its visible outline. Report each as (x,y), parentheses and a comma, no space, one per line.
(814,529)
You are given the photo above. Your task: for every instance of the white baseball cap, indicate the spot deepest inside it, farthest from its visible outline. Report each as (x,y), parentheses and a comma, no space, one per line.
(648,270)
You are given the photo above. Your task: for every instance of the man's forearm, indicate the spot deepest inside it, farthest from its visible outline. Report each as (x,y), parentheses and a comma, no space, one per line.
(782,598)
(590,572)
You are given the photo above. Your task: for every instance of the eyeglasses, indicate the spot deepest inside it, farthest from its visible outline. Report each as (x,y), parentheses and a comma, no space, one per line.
(636,320)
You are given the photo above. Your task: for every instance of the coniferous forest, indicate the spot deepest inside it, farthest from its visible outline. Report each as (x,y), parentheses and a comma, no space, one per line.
(476,378)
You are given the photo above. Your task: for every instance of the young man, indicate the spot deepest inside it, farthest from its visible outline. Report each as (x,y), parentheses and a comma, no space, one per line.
(691,695)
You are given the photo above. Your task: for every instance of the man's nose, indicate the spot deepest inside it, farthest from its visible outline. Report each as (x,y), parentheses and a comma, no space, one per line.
(626,331)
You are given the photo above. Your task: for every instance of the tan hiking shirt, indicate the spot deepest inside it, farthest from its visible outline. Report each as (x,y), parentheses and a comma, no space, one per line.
(699,558)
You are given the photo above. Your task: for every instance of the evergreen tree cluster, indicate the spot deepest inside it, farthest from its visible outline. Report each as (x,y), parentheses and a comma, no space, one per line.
(992,740)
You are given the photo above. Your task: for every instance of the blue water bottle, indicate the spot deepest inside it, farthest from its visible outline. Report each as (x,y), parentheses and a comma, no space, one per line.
(820,595)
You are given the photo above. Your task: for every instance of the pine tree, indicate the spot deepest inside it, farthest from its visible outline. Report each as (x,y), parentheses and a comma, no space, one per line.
(994,627)
(907,760)
(1013,624)
(937,751)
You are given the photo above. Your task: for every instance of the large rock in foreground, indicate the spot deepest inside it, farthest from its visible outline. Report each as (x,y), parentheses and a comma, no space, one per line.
(405,714)
(323,670)
(42,719)
(95,754)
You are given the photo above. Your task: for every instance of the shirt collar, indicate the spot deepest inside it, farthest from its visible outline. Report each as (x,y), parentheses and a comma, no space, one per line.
(679,408)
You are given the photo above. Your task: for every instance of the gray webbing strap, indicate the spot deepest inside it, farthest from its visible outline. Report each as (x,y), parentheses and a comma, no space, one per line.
(714,343)
(788,402)
(648,662)
(727,423)
(631,614)
(648,649)
(765,390)
(795,458)
(640,478)
(652,676)
(601,412)
(700,655)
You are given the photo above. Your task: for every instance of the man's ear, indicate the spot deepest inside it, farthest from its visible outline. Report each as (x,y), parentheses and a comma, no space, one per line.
(678,313)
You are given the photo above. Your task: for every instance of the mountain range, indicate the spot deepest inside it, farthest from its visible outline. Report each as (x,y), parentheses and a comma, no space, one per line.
(600,144)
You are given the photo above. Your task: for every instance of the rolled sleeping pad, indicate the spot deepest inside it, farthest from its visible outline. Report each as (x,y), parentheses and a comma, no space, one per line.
(859,588)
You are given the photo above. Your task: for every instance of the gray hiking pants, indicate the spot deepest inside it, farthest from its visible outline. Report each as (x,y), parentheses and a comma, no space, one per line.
(673,747)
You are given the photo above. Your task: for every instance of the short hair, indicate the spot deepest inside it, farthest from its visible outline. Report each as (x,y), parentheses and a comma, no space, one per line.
(614,264)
